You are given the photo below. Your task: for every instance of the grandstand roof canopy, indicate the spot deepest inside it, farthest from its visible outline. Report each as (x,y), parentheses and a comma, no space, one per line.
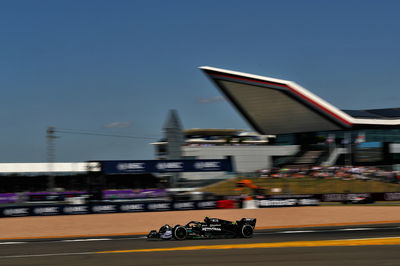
(212,131)
(275,106)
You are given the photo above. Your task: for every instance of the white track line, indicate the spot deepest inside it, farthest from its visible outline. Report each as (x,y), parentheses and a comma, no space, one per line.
(12,243)
(356,229)
(371,238)
(86,240)
(47,255)
(295,232)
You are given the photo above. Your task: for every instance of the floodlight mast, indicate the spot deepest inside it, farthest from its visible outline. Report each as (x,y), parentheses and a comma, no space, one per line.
(51,147)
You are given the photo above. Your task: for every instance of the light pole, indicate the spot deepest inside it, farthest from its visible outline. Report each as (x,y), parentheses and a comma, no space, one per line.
(50,137)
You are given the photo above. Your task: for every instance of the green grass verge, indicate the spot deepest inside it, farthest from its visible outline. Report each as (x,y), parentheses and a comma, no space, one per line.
(306,185)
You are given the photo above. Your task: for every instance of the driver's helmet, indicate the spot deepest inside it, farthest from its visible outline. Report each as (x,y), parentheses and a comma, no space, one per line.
(207,219)
(164,228)
(165,232)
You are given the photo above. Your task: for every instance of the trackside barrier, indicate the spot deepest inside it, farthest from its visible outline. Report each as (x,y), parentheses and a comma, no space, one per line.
(287,202)
(340,197)
(102,208)
(226,204)
(250,204)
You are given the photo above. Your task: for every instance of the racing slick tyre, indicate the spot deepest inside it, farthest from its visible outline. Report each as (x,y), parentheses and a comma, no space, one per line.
(180,232)
(246,231)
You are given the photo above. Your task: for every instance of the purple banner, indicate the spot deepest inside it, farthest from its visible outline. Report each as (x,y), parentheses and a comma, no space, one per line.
(8,197)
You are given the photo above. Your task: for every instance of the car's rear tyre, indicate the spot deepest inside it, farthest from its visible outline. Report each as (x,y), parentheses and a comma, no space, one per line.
(246,231)
(180,232)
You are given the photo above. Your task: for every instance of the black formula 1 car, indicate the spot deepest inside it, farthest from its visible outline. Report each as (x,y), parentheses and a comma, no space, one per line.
(210,228)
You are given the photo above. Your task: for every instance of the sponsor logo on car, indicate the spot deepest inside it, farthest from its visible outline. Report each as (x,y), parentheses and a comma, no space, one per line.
(206,229)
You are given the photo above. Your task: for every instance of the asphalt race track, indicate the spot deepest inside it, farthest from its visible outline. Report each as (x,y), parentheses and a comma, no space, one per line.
(297,246)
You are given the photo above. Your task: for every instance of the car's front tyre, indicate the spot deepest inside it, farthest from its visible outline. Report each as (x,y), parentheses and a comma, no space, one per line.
(180,232)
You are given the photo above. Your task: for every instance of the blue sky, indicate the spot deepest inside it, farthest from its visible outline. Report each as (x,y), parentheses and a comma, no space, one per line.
(118,67)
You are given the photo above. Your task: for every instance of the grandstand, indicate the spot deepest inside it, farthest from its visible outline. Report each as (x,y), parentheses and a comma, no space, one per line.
(296,116)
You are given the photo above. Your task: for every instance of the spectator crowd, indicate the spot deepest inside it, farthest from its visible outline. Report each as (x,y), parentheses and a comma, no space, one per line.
(339,172)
